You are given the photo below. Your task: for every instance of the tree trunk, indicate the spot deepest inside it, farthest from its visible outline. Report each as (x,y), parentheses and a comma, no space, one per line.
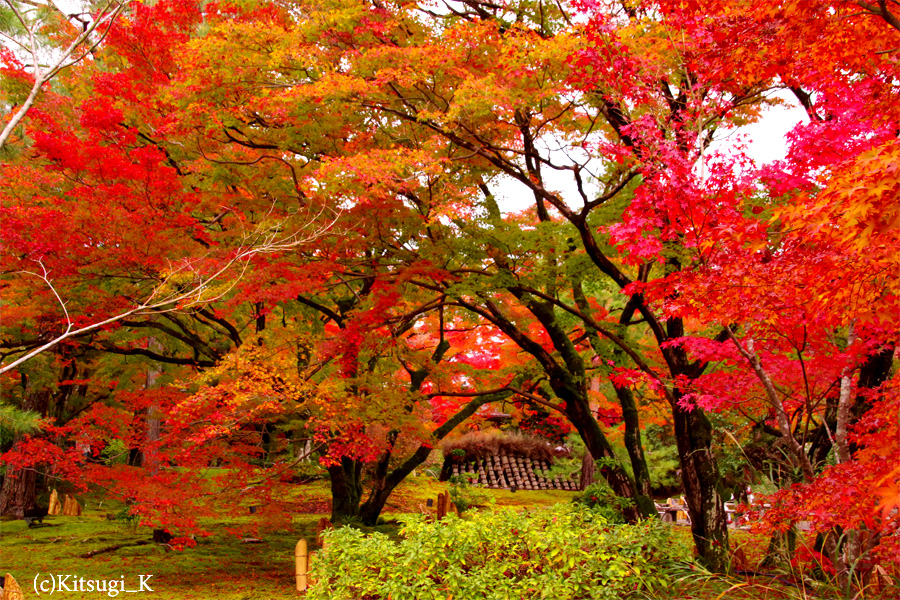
(587,471)
(346,489)
(154,425)
(578,411)
(700,476)
(385,481)
(633,441)
(385,485)
(19,491)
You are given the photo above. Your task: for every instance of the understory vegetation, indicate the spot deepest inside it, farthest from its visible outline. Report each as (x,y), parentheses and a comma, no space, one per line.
(563,552)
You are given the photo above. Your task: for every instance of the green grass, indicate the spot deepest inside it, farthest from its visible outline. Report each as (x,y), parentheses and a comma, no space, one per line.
(220,566)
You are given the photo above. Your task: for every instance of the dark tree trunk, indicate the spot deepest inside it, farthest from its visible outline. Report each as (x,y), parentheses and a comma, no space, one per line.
(386,481)
(633,441)
(346,489)
(385,485)
(579,413)
(19,491)
(570,384)
(135,457)
(700,477)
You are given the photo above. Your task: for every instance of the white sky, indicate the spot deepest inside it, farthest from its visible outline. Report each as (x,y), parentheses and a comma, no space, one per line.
(766,142)
(766,137)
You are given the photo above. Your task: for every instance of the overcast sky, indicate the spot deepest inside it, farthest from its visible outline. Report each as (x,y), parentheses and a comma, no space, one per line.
(765,139)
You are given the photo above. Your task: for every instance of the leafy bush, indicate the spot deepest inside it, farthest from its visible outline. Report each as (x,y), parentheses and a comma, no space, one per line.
(600,498)
(559,553)
(465,496)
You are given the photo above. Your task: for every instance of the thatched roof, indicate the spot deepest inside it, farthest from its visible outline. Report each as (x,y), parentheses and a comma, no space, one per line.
(479,445)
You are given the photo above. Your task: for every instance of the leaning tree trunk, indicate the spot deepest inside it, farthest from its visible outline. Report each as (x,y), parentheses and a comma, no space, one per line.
(579,413)
(385,480)
(19,491)
(385,484)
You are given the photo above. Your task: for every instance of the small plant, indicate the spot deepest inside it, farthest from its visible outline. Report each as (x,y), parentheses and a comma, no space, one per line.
(600,498)
(129,520)
(457,455)
(115,452)
(464,495)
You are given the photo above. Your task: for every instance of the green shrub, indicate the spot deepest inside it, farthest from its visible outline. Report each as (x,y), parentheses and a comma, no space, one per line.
(465,496)
(600,498)
(560,553)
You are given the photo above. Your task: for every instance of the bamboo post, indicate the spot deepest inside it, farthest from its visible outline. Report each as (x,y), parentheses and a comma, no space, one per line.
(301,560)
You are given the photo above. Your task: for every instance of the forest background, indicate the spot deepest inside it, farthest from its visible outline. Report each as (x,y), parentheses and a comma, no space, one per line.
(241,234)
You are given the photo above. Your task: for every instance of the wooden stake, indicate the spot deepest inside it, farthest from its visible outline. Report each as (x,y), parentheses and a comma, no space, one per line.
(441,506)
(301,560)
(322,525)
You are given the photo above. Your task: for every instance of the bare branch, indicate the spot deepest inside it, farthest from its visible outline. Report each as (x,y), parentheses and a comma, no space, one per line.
(108,15)
(266,240)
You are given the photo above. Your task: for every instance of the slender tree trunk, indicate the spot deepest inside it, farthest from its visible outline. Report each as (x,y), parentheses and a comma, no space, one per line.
(630,416)
(579,413)
(154,425)
(633,443)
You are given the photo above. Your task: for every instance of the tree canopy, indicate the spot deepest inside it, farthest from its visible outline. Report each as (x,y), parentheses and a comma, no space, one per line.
(240,234)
